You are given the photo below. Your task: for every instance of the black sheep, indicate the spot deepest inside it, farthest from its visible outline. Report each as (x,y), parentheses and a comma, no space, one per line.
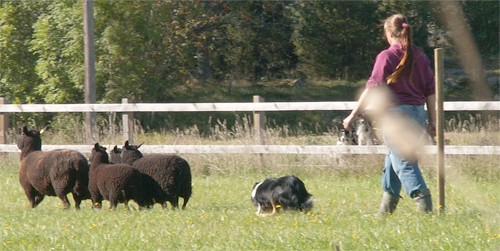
(117,183)
(115,155)
(52,173)
(171,172)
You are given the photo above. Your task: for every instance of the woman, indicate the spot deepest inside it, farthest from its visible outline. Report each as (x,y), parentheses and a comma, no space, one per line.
(405,71)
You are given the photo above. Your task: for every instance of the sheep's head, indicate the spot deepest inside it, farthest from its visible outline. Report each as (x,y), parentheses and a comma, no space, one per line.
(115,155)
(99,154)
(30,140)
(131,147)
(130,153)
(116,150)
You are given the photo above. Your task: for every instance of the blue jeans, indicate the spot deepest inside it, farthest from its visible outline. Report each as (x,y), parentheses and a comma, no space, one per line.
(399,172)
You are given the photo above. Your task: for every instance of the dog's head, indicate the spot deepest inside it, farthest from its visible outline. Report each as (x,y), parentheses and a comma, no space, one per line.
(346,137)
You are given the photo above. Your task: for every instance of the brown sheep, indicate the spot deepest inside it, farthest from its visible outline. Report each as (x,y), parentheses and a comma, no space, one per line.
(171,172)
(52,173)
(117,183)
(115,155)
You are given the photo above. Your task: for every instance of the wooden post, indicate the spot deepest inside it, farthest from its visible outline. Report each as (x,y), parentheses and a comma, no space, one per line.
(439,67)
(90,89)
(259,120)
(128,124)
(4,123)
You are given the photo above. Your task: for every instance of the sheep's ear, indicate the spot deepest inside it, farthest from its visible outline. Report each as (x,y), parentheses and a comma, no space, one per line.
(96,146)
(126,144)
(139,145)
(25,130)
(115,148)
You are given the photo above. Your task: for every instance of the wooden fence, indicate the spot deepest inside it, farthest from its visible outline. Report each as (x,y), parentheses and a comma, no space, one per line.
(258,107)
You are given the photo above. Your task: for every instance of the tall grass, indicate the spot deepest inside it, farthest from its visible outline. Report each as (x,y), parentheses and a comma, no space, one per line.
(220,216)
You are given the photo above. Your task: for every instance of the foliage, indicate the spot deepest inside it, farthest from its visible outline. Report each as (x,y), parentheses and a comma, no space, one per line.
(58,44)
(258,41)
(161,51)
(330,42)
(145,48)
(18,78)
(483,18)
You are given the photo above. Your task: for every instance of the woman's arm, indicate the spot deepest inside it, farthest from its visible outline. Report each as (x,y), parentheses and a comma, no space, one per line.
(360,106)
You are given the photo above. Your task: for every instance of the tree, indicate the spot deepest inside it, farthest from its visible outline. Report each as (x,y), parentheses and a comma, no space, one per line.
(258,40)
(58,44)
(17,62)
(335,39)
(483,18)
(144,48)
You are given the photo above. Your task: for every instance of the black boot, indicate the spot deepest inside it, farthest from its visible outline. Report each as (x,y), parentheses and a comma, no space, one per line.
(424,200)
(388,204)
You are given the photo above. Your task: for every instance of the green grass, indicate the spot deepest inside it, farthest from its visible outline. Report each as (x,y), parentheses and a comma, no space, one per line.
(220,215)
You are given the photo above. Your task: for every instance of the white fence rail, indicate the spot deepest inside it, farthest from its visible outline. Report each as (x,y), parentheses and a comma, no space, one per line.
(271,149)
(224,107)
(244,107)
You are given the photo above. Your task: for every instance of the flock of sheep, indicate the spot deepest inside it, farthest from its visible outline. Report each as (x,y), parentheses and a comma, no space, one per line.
(123,175)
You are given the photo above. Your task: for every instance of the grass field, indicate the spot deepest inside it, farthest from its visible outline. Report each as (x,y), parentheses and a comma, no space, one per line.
(220,215)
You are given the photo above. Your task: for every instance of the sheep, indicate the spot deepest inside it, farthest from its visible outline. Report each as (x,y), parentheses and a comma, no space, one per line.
(52,173)
(152,188)
(117,183)
(115,155)
(171,172)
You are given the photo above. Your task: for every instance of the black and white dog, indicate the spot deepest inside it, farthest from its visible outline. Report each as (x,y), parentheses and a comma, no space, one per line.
(287,193)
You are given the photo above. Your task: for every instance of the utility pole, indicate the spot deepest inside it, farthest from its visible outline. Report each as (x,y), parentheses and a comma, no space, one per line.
(90,86)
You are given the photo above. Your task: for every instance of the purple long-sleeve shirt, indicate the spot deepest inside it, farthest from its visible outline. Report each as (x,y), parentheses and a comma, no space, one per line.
(405,92)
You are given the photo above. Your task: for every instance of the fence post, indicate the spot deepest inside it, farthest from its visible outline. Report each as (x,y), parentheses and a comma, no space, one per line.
(259,120)
(4,123)
(128,124)
(89,60)
(439,67)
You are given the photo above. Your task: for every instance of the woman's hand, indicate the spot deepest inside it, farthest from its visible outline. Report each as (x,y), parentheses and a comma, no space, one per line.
(347,121)
(431,129)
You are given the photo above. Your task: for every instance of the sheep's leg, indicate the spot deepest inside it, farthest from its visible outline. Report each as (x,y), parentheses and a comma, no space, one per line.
(185,203)
(96,200)
(164,205)
(36,199)
(97,204)
(175,202)
(113,198)
(79,193)
(77,203)
(77,200)
(113,204)
(126,204)
(65,200)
